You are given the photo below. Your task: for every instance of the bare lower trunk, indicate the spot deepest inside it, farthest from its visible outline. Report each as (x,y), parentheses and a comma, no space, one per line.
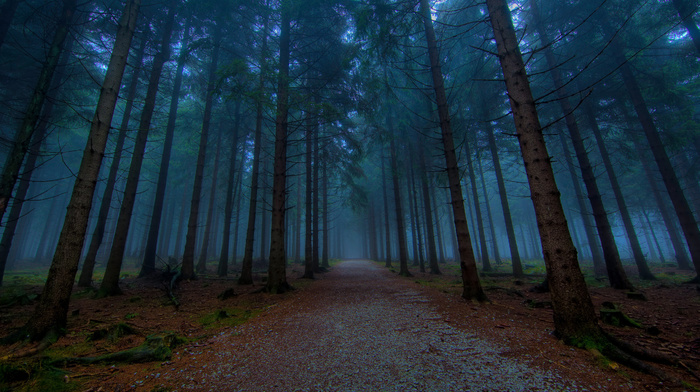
(387,224)
(688,223)
(149,260)
(308,224)
(477,208)
(202,263)
(400,229)
(644,271)
(247,263)
(470,279)
(110,282)
(505,207)
(277,272)
(222,268)
(50,314)
(574,316)
(427,207)
(188,271)
(85,279)
(326,242)
(492,227)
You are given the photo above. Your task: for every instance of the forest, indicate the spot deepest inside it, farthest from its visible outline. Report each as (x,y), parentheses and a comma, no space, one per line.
(167,161)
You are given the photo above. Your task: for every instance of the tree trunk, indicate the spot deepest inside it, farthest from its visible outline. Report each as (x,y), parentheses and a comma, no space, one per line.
(666,213)
(149,260)
(574,316)
(30,164)
(222,268)
(438,227)
(308,223)
(593,241)
(653,235)
(22,138)
(644,271)
(247,263)
(673,187)
(277,271)
(470,278)
(263,216)
(387,223)
(86,272)
(427,207)
(51,313)
(188,271)
(492,226)
(416,214)
(316,221)
(297,224)
(477,208)
(400,228)
(510,231)
(110,281)
(202,264)
(326,242)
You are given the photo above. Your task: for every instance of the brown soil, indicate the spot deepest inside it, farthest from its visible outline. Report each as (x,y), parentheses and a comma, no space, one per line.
(361,327)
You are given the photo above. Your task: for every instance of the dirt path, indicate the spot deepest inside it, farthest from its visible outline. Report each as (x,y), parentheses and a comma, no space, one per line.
(357,328)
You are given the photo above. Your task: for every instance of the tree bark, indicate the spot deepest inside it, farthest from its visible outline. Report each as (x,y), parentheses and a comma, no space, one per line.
(51,313)
(666,213)
(387,222)
(277,271)
(324,192)
(110,281)
(149,260)
(222,268)
(574,316)
(30,164)
(492,227)
(188,271)
(680,203)
(644,271)
(308,223)
(202,264)
(416,214)
(315,198)
(477,208)
(86,272)
(400,228)
(247,263)
(470,278)
(427,207)
(505,207)
(22,139)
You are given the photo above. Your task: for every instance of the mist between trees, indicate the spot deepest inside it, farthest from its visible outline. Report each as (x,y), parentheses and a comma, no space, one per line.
(237,137)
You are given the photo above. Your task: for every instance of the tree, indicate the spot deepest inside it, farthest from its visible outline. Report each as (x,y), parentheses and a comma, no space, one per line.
(188,271)
(574,317)
(149,258)
(470,279)
(22,139)
(51,313)
(86,272)
(110,281)
(277,271)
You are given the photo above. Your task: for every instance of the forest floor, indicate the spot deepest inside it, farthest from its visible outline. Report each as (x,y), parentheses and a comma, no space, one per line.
(358,327)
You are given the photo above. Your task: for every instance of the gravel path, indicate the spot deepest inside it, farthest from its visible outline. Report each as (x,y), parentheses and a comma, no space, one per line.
(357,328)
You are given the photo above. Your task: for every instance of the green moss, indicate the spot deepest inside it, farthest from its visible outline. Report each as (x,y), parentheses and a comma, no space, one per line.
(34,376)
(229,317)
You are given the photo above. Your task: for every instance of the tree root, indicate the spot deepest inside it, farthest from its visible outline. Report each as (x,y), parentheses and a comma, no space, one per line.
(632,356)
(155,348)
